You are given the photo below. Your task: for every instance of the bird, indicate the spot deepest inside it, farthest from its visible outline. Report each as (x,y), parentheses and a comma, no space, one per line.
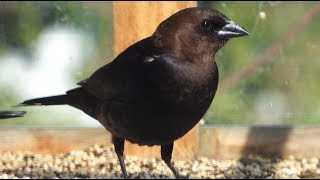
(11,114)
(157,89)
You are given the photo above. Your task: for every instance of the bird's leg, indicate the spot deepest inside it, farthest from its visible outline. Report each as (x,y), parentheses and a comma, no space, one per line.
(119,147)
(166,153)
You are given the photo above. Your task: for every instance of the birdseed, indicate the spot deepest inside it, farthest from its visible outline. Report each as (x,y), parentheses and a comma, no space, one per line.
(100,161)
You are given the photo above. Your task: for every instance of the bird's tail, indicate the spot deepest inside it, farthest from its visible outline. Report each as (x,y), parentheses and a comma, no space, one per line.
(51,100)
(11,114)
(77,98)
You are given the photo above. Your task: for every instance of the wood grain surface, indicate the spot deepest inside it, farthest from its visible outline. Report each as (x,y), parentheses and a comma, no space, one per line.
(134,21)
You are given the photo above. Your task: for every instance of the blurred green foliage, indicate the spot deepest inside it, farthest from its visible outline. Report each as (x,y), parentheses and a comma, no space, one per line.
(21,24)
(288,82)
(283,91)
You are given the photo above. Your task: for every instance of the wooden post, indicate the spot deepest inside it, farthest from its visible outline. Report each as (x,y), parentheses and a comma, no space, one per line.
(134,21)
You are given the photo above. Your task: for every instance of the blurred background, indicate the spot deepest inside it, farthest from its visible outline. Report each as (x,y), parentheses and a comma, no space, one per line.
(269,77)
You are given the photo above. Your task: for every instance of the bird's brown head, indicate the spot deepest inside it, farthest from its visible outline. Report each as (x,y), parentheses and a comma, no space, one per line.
(196,30)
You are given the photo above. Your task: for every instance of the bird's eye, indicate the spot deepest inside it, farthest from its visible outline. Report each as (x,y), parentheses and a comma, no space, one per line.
(205,25)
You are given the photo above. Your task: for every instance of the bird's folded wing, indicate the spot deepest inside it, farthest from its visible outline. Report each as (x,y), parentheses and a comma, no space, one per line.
(123,77)
(109,81)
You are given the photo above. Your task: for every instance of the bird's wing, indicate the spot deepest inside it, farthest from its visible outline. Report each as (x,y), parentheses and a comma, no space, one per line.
(126,74)
(80,83)
(103,82)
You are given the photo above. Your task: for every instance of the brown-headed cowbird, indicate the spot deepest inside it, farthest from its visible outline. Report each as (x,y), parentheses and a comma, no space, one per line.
(11,114)
(156,90)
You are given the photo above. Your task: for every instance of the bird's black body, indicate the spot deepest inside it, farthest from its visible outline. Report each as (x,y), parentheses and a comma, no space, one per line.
(151,102)
(156,90)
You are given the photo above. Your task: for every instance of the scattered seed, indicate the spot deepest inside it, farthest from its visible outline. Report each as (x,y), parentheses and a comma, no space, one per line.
(101,162)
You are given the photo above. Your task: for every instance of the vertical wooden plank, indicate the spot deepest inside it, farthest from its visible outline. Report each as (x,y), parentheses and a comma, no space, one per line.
(134,21)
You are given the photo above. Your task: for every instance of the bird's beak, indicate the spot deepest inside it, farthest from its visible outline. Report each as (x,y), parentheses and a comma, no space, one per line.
(231,30)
